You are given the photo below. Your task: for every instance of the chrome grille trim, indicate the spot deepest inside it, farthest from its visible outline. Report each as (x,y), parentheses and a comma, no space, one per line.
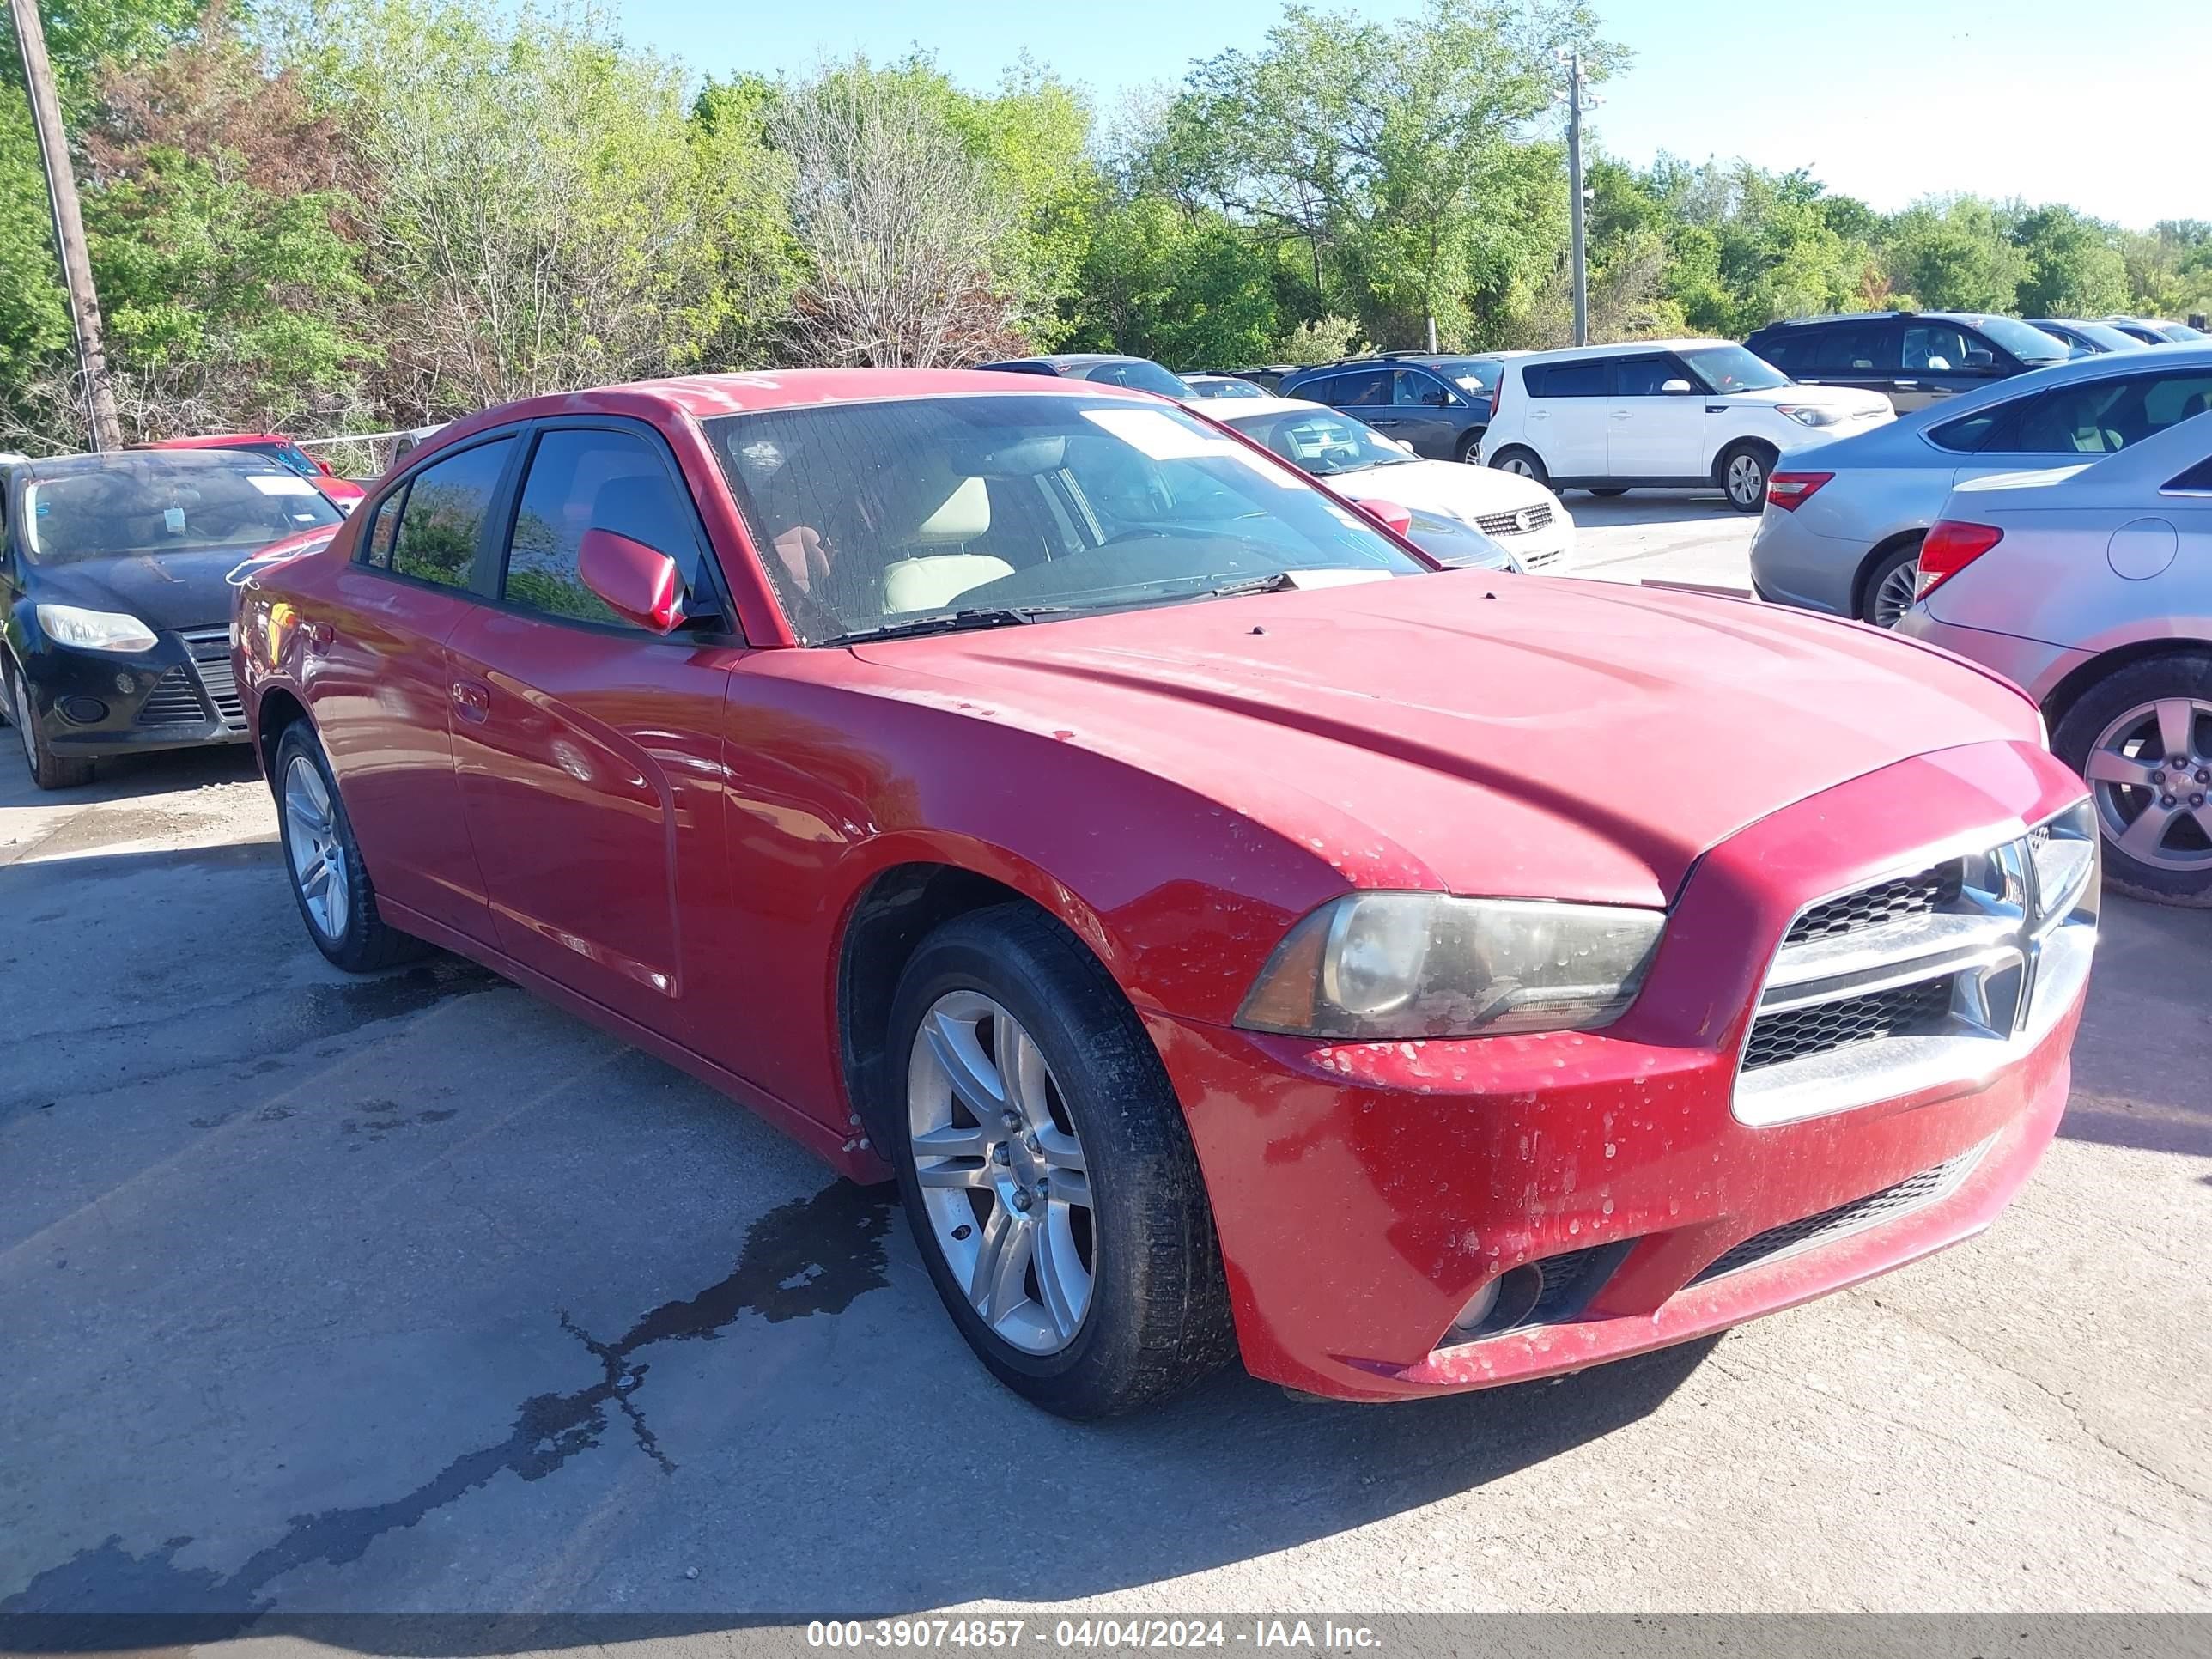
(174,701)
(209,648)
(1944,972)
(1519,522)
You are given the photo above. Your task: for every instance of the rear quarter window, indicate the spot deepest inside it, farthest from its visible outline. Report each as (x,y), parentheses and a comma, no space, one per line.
(1565,379)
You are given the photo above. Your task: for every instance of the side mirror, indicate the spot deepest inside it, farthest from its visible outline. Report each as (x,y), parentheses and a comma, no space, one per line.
(639,583)
(1677,388)
(1437,399)
(1389,515)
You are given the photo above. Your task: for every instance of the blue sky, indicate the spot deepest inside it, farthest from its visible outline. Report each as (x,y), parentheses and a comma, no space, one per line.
(1882,99)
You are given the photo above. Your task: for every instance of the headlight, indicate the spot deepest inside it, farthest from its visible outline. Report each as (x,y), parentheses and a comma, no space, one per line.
(1808,414)
(1391,966)
(94,630)
(2065,850)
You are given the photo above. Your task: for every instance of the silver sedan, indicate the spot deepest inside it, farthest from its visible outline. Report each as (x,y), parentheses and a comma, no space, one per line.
(1843,523)
(2091,588)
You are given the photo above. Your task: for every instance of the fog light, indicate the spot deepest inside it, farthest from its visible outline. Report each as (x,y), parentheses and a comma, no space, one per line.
(1477,1309)
(1506,1302)
(83,711)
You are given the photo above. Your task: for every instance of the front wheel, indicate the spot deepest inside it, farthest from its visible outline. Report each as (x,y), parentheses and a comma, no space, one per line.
(48,770)
(329,880)
(1522,463)
(1742,473)
(1470,447)
(2142,738)
(1047,1173)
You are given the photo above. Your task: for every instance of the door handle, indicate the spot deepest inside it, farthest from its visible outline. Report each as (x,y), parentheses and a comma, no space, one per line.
(1623,414)
(320,635)
(472,702)
(1906,385)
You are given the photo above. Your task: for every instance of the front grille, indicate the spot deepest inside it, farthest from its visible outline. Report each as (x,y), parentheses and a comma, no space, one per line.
(211,653)
(1537,560)
(1801,1033)
(1909,1193)
(1886,900)
(1571,1280)
(1518,522)
(174,701)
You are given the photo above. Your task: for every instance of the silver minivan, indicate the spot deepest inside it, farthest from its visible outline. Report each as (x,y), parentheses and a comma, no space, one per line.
(1843,523)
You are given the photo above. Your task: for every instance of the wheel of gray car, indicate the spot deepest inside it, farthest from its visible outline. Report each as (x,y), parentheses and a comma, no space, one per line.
(1522,462)
(1046,1172)
(1742,473)
(48,770)
(1891,585)
(336,898)
(2142,738)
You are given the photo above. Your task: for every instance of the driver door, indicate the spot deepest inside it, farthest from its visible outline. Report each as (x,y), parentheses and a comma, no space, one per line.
(1650,432)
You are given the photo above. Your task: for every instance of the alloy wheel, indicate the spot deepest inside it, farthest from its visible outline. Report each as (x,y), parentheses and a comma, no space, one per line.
(23,720)
(2151,773)
(1746,481)
(1518,467)
(1001,1171)
(319,860)
(1899,589)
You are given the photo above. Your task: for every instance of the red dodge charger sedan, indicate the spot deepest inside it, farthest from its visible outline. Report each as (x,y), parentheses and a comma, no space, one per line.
(1237,936)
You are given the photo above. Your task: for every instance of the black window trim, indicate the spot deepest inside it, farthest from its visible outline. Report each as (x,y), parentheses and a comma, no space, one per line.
(728,628)
(495,506)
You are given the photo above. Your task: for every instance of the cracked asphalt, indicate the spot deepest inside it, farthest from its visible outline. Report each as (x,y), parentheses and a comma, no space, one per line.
(413,1295)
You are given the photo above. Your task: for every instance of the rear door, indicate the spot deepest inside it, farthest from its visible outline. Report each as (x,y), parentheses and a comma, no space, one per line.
(1651,434)
(1567,416)
(1941,359)
(379,682)
(1857,354)
(1426,413)
(589,749)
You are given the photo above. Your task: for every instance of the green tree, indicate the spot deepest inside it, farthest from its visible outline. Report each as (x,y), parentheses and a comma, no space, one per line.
(1956,255)
(2073,268)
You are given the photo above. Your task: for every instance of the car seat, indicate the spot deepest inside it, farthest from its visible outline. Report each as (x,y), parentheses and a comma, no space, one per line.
(928,579)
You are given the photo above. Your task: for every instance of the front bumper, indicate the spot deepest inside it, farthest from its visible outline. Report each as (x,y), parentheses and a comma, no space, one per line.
(1364,1193)
(2033,665)
(179,694)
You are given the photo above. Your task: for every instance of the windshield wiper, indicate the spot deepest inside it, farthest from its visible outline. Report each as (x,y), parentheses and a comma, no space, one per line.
(950,621)
(1281,581)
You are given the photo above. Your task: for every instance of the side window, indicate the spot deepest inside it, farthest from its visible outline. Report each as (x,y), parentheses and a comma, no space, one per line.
(1936,347)
(1642,377)
(442,524)
(1363,391)
(1586,379)
(581,480)
(1967,434)
(1320,390)
(1785,351)
(1411,386)
(2103,416)
(2197,481)
(1855,348)
(376,546)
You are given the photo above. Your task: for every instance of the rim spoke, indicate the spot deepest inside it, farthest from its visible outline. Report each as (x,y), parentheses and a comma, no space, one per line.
(1054,1292)
(305,811)
(2177,726)
(1002,1264)
(2110,766)
(2203,816)
(953,1141)
(1060,1150)
(1021,1072)
(974,1080)
(316,877)
(971,1176)
(2143,839)
(1069,1187)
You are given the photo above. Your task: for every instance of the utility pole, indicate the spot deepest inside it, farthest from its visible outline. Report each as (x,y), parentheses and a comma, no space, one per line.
(106,432)
(1575,183)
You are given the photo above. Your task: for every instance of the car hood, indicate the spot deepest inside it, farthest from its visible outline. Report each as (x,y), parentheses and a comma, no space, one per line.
(1844,399)
(1453,487)
(1536,737)
(162,590)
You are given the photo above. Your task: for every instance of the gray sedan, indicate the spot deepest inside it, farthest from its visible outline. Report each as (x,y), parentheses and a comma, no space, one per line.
(2091,587)
(1842,526)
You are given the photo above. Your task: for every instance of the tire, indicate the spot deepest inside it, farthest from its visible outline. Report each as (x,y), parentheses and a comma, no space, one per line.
(48,770)
(1609,494)
(1470,447)
(1886,593)
(1741,474)
(1514,457)
(340,911)
(2112,735)
(1147,1313)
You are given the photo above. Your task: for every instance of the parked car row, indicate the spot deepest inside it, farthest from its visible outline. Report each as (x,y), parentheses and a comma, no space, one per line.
(1020,787)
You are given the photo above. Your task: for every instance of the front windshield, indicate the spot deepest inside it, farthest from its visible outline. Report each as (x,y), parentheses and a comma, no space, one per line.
(1141,373)
(870,515)
(2029,344)
(2183,331)
(141,509)
(1479,377)
(1226,389)
(1731,368)
(1318,441)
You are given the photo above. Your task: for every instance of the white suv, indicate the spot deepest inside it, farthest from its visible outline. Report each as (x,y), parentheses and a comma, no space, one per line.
(1662,413)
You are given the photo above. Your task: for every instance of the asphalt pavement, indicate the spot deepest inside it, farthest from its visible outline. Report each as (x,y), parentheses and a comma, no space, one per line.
(411,1294)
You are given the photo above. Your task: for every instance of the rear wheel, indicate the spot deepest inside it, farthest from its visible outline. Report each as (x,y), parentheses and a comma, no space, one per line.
(1891,585)
(48,770)
(1522,462)
(1470,447)
(1741,474)
(336,898)
(2142,737)
(1046,1172)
